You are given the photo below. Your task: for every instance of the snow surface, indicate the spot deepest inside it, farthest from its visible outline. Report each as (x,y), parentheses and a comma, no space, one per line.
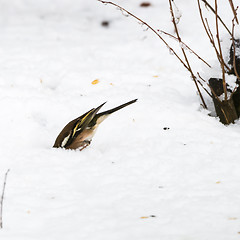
(136,180)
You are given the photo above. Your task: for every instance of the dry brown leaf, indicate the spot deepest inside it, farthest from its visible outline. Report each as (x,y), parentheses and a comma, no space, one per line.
(145,4)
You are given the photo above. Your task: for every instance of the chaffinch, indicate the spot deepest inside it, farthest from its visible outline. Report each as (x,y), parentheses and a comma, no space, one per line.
(78,133)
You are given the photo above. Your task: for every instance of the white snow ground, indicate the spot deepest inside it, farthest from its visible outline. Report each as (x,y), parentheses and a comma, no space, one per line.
(136,180)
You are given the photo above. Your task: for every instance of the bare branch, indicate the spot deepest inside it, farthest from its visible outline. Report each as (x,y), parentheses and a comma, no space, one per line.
(185,46)
(185,55)
(186,65)
(212,9)
(207,29)
(2,197)
(205,88)
(210,35)
(156,32)
(213,41)
(234,52)
(146,24)
(220,53)
(234,11)
(234,58)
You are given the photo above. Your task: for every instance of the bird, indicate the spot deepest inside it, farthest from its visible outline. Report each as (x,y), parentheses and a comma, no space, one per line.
(78,133)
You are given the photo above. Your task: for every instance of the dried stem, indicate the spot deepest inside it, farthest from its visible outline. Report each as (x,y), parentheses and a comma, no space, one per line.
(205,89)
(186,65)
(213,41)
(234,11)
(146,24)
(154,31)
(220,53)
(2,197)
(212,9)
(210,35)
(212,90)
(185,46)
(234,57)
(185,55)
(234,52)
(207,29)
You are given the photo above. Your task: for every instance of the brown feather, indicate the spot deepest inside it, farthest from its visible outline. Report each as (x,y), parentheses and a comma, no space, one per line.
(73,136)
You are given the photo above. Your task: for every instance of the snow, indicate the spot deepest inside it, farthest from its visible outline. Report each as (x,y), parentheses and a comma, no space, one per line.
(136,180)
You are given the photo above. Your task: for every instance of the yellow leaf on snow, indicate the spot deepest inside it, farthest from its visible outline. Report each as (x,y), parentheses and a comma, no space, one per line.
(96,81)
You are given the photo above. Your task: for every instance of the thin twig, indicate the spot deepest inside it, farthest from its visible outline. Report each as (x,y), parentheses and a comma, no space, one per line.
(213,41)
(209,34)
(187,66)
(185,45)
(212,9)
(234,58)
(234,52)
(234,11)
(220,53)
(207,29)
(156,32)
(185,55)
(2,197)
(146,24)
(221,60)
(203,86)
(212,90)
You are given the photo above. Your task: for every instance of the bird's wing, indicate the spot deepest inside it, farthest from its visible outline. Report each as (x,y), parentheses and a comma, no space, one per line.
(75,127)
(66,132)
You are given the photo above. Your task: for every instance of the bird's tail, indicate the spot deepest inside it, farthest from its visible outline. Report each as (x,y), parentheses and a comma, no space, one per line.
(116,108)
